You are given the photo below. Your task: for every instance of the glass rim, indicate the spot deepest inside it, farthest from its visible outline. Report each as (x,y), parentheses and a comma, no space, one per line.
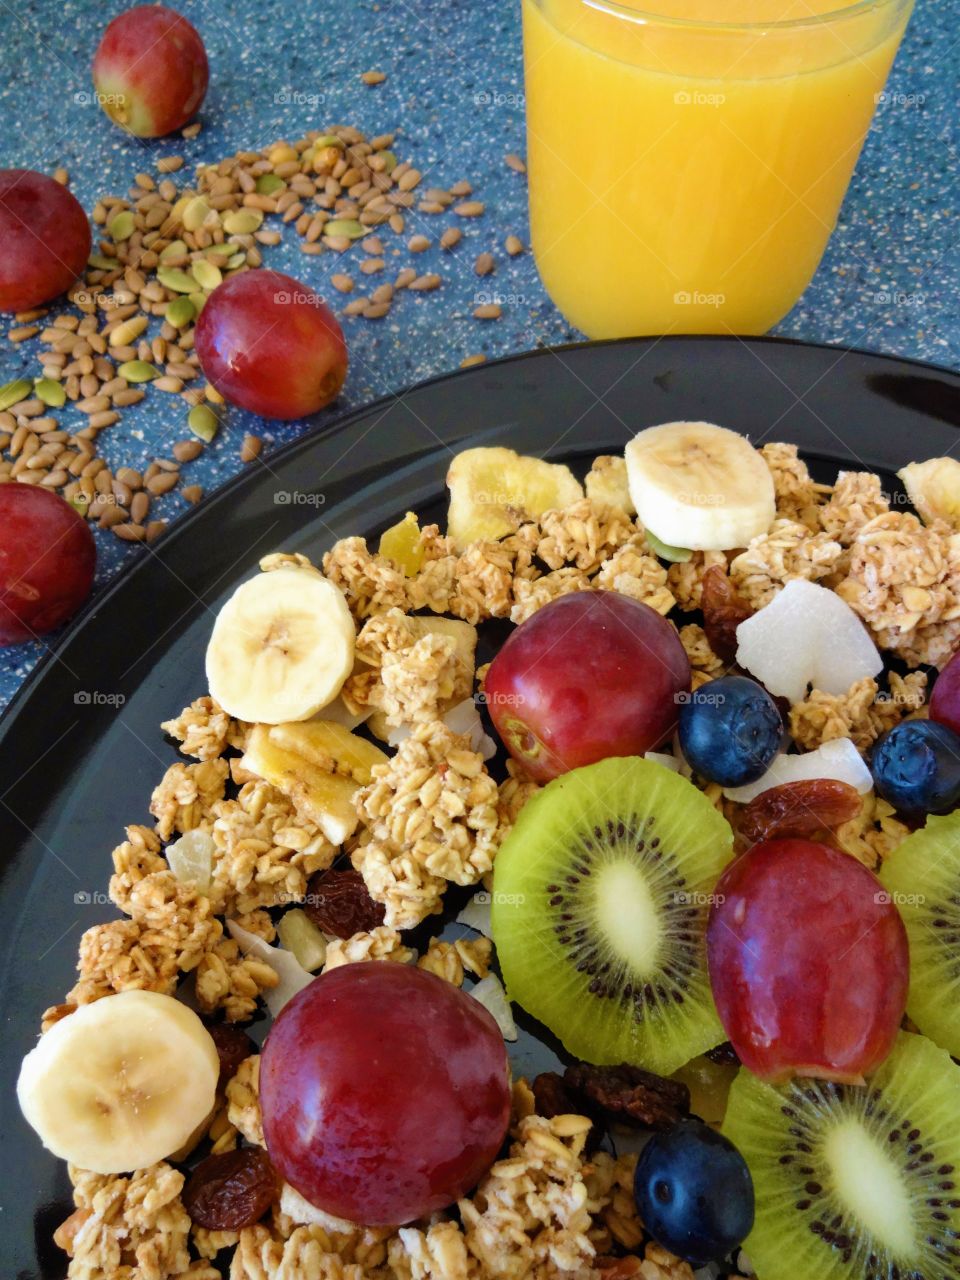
(644,17)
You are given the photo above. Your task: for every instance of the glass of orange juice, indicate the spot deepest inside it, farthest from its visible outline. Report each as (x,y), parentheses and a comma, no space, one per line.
(687,158)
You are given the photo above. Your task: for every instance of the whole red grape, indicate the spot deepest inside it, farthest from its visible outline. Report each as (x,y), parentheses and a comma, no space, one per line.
(44,239)
(270,345)
(150,70)
(47,560)
(385,1093)
(809,962)
(590,675)
(945,698)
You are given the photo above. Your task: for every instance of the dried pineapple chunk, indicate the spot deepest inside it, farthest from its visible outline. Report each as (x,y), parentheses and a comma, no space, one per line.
(934,489)
(401,544)
(494,490)
(606,483)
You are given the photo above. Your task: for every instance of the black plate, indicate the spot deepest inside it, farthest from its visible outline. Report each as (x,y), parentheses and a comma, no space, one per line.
(77,763)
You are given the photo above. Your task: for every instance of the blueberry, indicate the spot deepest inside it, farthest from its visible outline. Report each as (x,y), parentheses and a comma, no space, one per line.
(730,730)
(694,1192)
(916,767)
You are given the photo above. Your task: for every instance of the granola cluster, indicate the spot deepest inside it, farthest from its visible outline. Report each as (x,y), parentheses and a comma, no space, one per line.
(863,713)
(787,551)
(797,495)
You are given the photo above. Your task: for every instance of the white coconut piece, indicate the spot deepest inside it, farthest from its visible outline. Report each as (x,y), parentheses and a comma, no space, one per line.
(661,757)
(839,760)
(490,993)
(476,914)
(293,977)
(806,635)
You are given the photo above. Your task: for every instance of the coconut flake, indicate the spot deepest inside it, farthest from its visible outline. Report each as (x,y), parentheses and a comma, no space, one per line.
(490,993)
(806,635)
(476,914)
(336,712)
(661,758)
(304,1214)
(293,977)
(838,760)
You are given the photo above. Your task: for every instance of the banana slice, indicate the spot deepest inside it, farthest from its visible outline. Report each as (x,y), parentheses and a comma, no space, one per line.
(934,489)
(493,491)
(281,647)
(120,1083)
(299,760)
(699,486)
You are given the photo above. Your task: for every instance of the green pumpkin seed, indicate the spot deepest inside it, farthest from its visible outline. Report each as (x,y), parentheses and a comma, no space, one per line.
(328,140)
(138,371)
(389,161)
(180,312)
(102,262)
(80,503)
(243,222)
(50,392)
(206,274)
(198,301)
(175,249)
(347,227)
(676,555)
(122,226)
(195,213)
(12,393)
(175,279)
(268,184)
(203,422)
(237,260)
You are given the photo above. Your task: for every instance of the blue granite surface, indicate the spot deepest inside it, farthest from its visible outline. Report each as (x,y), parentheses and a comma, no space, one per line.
(453,93)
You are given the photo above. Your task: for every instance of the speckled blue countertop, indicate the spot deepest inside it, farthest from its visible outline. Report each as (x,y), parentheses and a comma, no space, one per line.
(454,96)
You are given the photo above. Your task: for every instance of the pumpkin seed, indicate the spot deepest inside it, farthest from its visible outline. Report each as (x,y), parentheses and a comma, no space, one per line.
(198,300)
(206,274)
(268,184)
(195,214)
(138,371)
(328,140)
(175,249)
(175,279)
(50,392)
(203,422)
(389,161)
(12,393)
(122,226)
(102,262)
(237,260)
(180,312)
(242,222)
(349,228)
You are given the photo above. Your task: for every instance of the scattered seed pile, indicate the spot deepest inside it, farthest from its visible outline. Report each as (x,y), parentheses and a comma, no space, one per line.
(161,250)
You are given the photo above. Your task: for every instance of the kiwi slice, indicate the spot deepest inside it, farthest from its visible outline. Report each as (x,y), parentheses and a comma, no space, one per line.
(855,1182)
(922,876)
(601,894)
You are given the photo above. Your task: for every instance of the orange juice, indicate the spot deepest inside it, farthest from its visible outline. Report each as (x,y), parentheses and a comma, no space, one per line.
(688,158)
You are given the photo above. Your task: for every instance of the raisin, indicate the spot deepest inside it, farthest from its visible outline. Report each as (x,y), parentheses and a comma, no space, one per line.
(553,1098)
(723,611)
(812,809)
(338,902)
(233,1046)
(232,1190)
(630,1094)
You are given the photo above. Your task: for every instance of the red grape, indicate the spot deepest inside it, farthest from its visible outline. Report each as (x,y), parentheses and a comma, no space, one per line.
(590,675)
(945,698)
(150,71)
(44,239)
(47,559)
(270,345)
(809,962)
(385,1093)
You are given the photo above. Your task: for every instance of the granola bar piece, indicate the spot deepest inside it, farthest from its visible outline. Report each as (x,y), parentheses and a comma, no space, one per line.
(370,582)
(583,535)
(532,595)
(634,572)
(229,980)
(857,498)
(243,1100)
(863,713)
(789,550)
(204,730)
(797,496)
(381,943)
(685,579)
(703,661)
